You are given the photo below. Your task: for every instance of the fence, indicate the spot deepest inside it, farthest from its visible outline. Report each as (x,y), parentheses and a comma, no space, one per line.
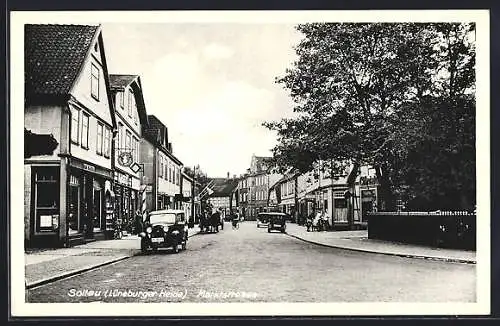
(438,229)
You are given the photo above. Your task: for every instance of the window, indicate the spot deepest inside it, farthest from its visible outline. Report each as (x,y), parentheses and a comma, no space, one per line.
(131,103)
(128,140)
(160,172)
(169,177)
(107,142)
(46,199)
(136,149)
(122,99)
(135,113)
(167,171)
(94,82)
(85,130)
(75,121)
(100,128)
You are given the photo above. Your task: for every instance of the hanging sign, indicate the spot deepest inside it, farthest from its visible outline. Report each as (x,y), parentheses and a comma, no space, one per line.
(125,158)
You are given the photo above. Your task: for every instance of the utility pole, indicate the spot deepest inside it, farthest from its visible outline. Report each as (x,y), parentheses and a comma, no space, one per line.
(192,196)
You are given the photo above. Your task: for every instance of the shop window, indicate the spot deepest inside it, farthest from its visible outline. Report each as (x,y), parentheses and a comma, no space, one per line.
(100,130)
(85,130)
(340,203)
(75,124)
(46,201)
(94,82)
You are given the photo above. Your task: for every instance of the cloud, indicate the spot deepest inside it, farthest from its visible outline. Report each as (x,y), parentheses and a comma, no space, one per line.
(217,51)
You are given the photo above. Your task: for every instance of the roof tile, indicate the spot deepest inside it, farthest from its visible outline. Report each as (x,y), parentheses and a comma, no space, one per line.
(54,55)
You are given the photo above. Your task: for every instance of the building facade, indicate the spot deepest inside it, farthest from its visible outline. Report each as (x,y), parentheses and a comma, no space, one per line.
(162,170)
(131,117)
(67,100)
(346,198)
(222,197)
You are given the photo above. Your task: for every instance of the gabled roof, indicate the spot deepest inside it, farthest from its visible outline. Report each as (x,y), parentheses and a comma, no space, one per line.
(54,56)
(223,187)
(156,124)
(120,82)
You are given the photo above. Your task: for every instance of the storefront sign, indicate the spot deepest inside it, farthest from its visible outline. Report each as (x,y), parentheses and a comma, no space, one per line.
(91,168)
(88,167)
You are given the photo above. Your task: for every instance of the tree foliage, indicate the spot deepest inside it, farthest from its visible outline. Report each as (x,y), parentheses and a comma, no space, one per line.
(399,97)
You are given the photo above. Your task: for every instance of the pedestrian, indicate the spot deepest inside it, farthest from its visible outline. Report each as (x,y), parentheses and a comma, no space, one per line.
(325,219)
(138,222)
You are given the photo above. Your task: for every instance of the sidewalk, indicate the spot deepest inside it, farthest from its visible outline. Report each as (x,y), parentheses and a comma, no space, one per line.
(358,241)
(48,265)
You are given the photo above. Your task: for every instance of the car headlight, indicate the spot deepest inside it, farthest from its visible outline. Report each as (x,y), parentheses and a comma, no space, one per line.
(149,229)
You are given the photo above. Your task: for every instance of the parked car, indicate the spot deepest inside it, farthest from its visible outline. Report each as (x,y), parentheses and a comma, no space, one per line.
(164,229)
(262,219)
(276,221)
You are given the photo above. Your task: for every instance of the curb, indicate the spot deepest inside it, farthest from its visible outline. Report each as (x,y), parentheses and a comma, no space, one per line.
(83,270)
(73,273)
(449,260)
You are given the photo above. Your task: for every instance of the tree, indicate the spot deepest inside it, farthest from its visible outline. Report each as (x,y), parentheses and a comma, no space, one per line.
(365,94)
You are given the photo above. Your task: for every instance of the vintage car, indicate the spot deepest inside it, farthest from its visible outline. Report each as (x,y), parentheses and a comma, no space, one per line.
(276,221)
(164,229)
(262,219)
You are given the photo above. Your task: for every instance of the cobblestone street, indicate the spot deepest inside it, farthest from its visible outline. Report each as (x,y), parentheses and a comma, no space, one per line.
(252,265)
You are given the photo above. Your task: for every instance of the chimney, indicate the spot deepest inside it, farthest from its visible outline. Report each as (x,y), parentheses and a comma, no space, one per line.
(228,175)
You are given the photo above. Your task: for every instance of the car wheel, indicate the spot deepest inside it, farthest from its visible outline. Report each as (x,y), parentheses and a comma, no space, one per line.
(184,245)
(176,248)
(268,230)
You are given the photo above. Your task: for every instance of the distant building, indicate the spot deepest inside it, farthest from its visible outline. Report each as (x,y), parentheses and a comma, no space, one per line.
(223,194)
(69,125)
(254,187)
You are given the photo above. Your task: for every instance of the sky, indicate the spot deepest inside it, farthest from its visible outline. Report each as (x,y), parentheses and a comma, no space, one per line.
(212,85)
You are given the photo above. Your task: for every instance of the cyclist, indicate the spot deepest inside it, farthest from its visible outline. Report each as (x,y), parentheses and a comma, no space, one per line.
(236,220)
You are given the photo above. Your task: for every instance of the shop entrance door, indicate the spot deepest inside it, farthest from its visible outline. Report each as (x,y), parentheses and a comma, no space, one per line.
(97,211)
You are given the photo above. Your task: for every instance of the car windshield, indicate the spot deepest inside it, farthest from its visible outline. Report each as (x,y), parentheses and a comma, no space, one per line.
(162,218)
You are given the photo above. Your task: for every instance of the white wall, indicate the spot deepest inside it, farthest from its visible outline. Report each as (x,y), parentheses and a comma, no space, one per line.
(164,186)
(123,111)
(90,154)
(82,89)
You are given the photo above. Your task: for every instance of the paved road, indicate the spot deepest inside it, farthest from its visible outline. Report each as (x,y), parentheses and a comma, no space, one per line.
(251,265)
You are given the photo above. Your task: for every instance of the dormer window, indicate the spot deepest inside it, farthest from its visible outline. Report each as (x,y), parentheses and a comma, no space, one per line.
(94,82)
